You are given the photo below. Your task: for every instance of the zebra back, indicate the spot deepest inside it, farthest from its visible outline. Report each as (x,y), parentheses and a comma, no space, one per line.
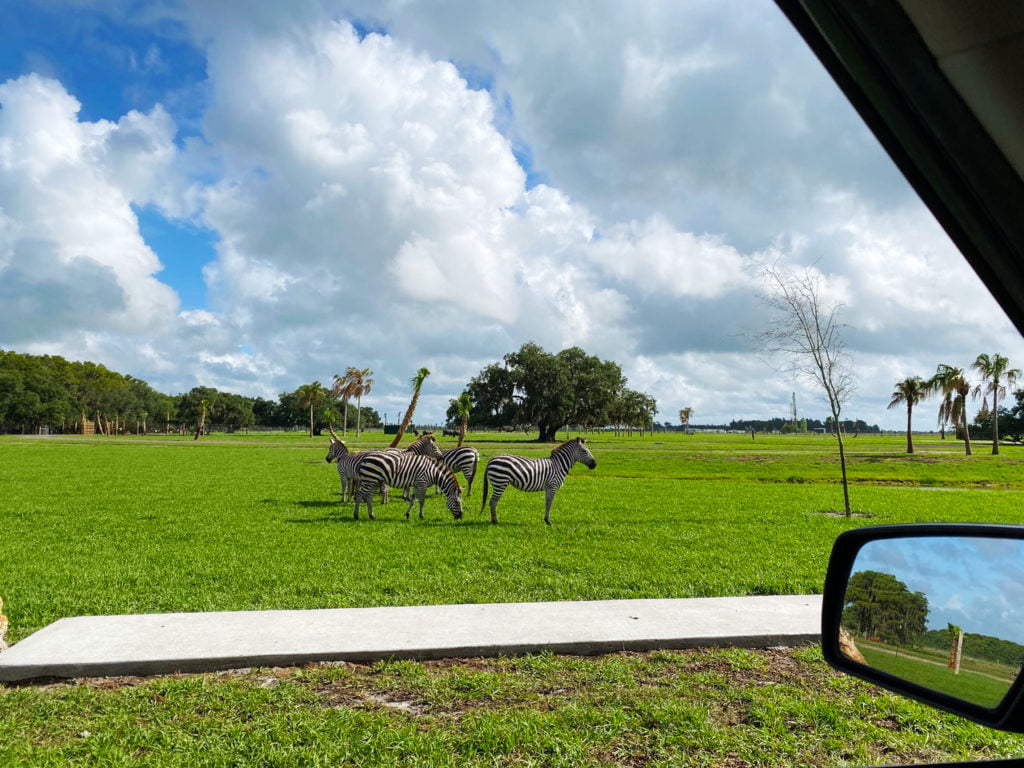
(464,459)
(424,445)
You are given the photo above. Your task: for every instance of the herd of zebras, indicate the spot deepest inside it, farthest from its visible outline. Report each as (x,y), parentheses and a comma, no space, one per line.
(365,473)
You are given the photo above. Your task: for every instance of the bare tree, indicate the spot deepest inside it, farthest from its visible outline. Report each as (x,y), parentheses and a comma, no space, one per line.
(804,336)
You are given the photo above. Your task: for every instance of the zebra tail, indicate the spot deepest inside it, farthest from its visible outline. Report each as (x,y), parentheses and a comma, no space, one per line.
(483,501)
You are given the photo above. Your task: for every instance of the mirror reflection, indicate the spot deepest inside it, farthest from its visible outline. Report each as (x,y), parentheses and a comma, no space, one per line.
(943,612)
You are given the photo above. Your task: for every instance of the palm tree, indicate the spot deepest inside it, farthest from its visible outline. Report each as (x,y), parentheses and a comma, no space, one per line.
(684,417)
(996,376)
(360,384)
(950,382)
(417,383)
(912,390)
(308,395)
(203,405)
(463,406)
(342,388)
(355,383)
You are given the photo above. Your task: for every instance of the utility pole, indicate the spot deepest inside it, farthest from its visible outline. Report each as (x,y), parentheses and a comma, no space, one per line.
(792,412)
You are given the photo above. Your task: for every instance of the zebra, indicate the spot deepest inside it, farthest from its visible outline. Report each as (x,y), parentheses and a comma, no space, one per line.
(348,466)
(348,462)
(464,459)
(423,445)
(404,469)
(528,474)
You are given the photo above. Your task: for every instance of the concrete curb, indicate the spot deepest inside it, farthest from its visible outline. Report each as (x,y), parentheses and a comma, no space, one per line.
(149,644)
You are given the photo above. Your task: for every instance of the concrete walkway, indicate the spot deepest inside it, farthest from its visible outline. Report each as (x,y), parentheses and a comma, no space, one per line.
(93,646)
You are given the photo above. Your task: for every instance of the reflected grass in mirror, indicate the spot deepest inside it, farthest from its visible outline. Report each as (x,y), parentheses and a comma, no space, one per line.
(940,612)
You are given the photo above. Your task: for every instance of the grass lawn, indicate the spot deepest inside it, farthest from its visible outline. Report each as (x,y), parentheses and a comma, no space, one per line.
(152,524)
(980,689)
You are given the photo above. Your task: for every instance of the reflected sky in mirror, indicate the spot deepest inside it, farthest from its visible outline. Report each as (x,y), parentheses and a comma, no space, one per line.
(975,583)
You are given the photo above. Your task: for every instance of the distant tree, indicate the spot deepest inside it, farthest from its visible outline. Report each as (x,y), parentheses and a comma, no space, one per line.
(684,417)
(950,383)
(910,392)
(533,388)
(463,408)
(204,404)
(805,335)
(879,605)
(355,383)
(996,376)
(310,395)
(417,385)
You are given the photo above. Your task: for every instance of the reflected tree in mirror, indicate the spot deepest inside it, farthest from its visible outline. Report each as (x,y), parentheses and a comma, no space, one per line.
(942,612)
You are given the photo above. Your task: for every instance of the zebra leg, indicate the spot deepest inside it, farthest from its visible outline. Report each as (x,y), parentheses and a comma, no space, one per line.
(365,494)
(495,496)
(549,497)
(421,494)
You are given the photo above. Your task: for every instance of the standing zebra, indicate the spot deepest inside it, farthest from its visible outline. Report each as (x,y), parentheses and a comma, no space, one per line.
(462,459)
(535,474)
(348,462)
(404,470)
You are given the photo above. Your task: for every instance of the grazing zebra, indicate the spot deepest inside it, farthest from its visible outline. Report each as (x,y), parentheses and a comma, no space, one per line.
(348,462)
(534,474)
(405,470)
(462,459)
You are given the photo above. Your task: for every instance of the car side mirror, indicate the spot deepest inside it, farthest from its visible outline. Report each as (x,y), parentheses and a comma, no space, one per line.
(934,612)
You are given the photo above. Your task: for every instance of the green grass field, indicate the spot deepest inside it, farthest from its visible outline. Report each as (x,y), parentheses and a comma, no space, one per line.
(981,689)
(97,526)
(236,522)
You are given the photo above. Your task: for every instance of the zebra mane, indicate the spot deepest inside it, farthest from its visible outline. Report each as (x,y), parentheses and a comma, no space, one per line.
(578,439)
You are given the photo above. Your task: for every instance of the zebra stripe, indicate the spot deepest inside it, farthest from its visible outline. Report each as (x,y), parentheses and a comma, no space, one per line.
(424,445)
(405,470)
(462,459)
(348,469)
(528,474)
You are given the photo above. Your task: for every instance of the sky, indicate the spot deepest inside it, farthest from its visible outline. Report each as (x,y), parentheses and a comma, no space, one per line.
(254,196)
(974,583)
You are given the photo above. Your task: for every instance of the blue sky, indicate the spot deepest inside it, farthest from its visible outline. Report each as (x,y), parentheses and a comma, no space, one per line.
(974,583)
(257,195)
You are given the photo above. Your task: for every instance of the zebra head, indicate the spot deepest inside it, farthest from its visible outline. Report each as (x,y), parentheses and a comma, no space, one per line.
(583,454)
(449,485)
(337,450)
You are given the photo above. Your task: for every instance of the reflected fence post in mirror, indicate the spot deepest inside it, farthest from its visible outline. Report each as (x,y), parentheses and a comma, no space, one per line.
(941,613)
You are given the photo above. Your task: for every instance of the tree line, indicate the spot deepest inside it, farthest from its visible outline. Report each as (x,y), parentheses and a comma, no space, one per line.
(978,646)
(48,391)
(952,386)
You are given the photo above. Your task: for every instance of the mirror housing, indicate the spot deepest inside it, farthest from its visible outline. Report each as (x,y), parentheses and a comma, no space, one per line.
(1008,714)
